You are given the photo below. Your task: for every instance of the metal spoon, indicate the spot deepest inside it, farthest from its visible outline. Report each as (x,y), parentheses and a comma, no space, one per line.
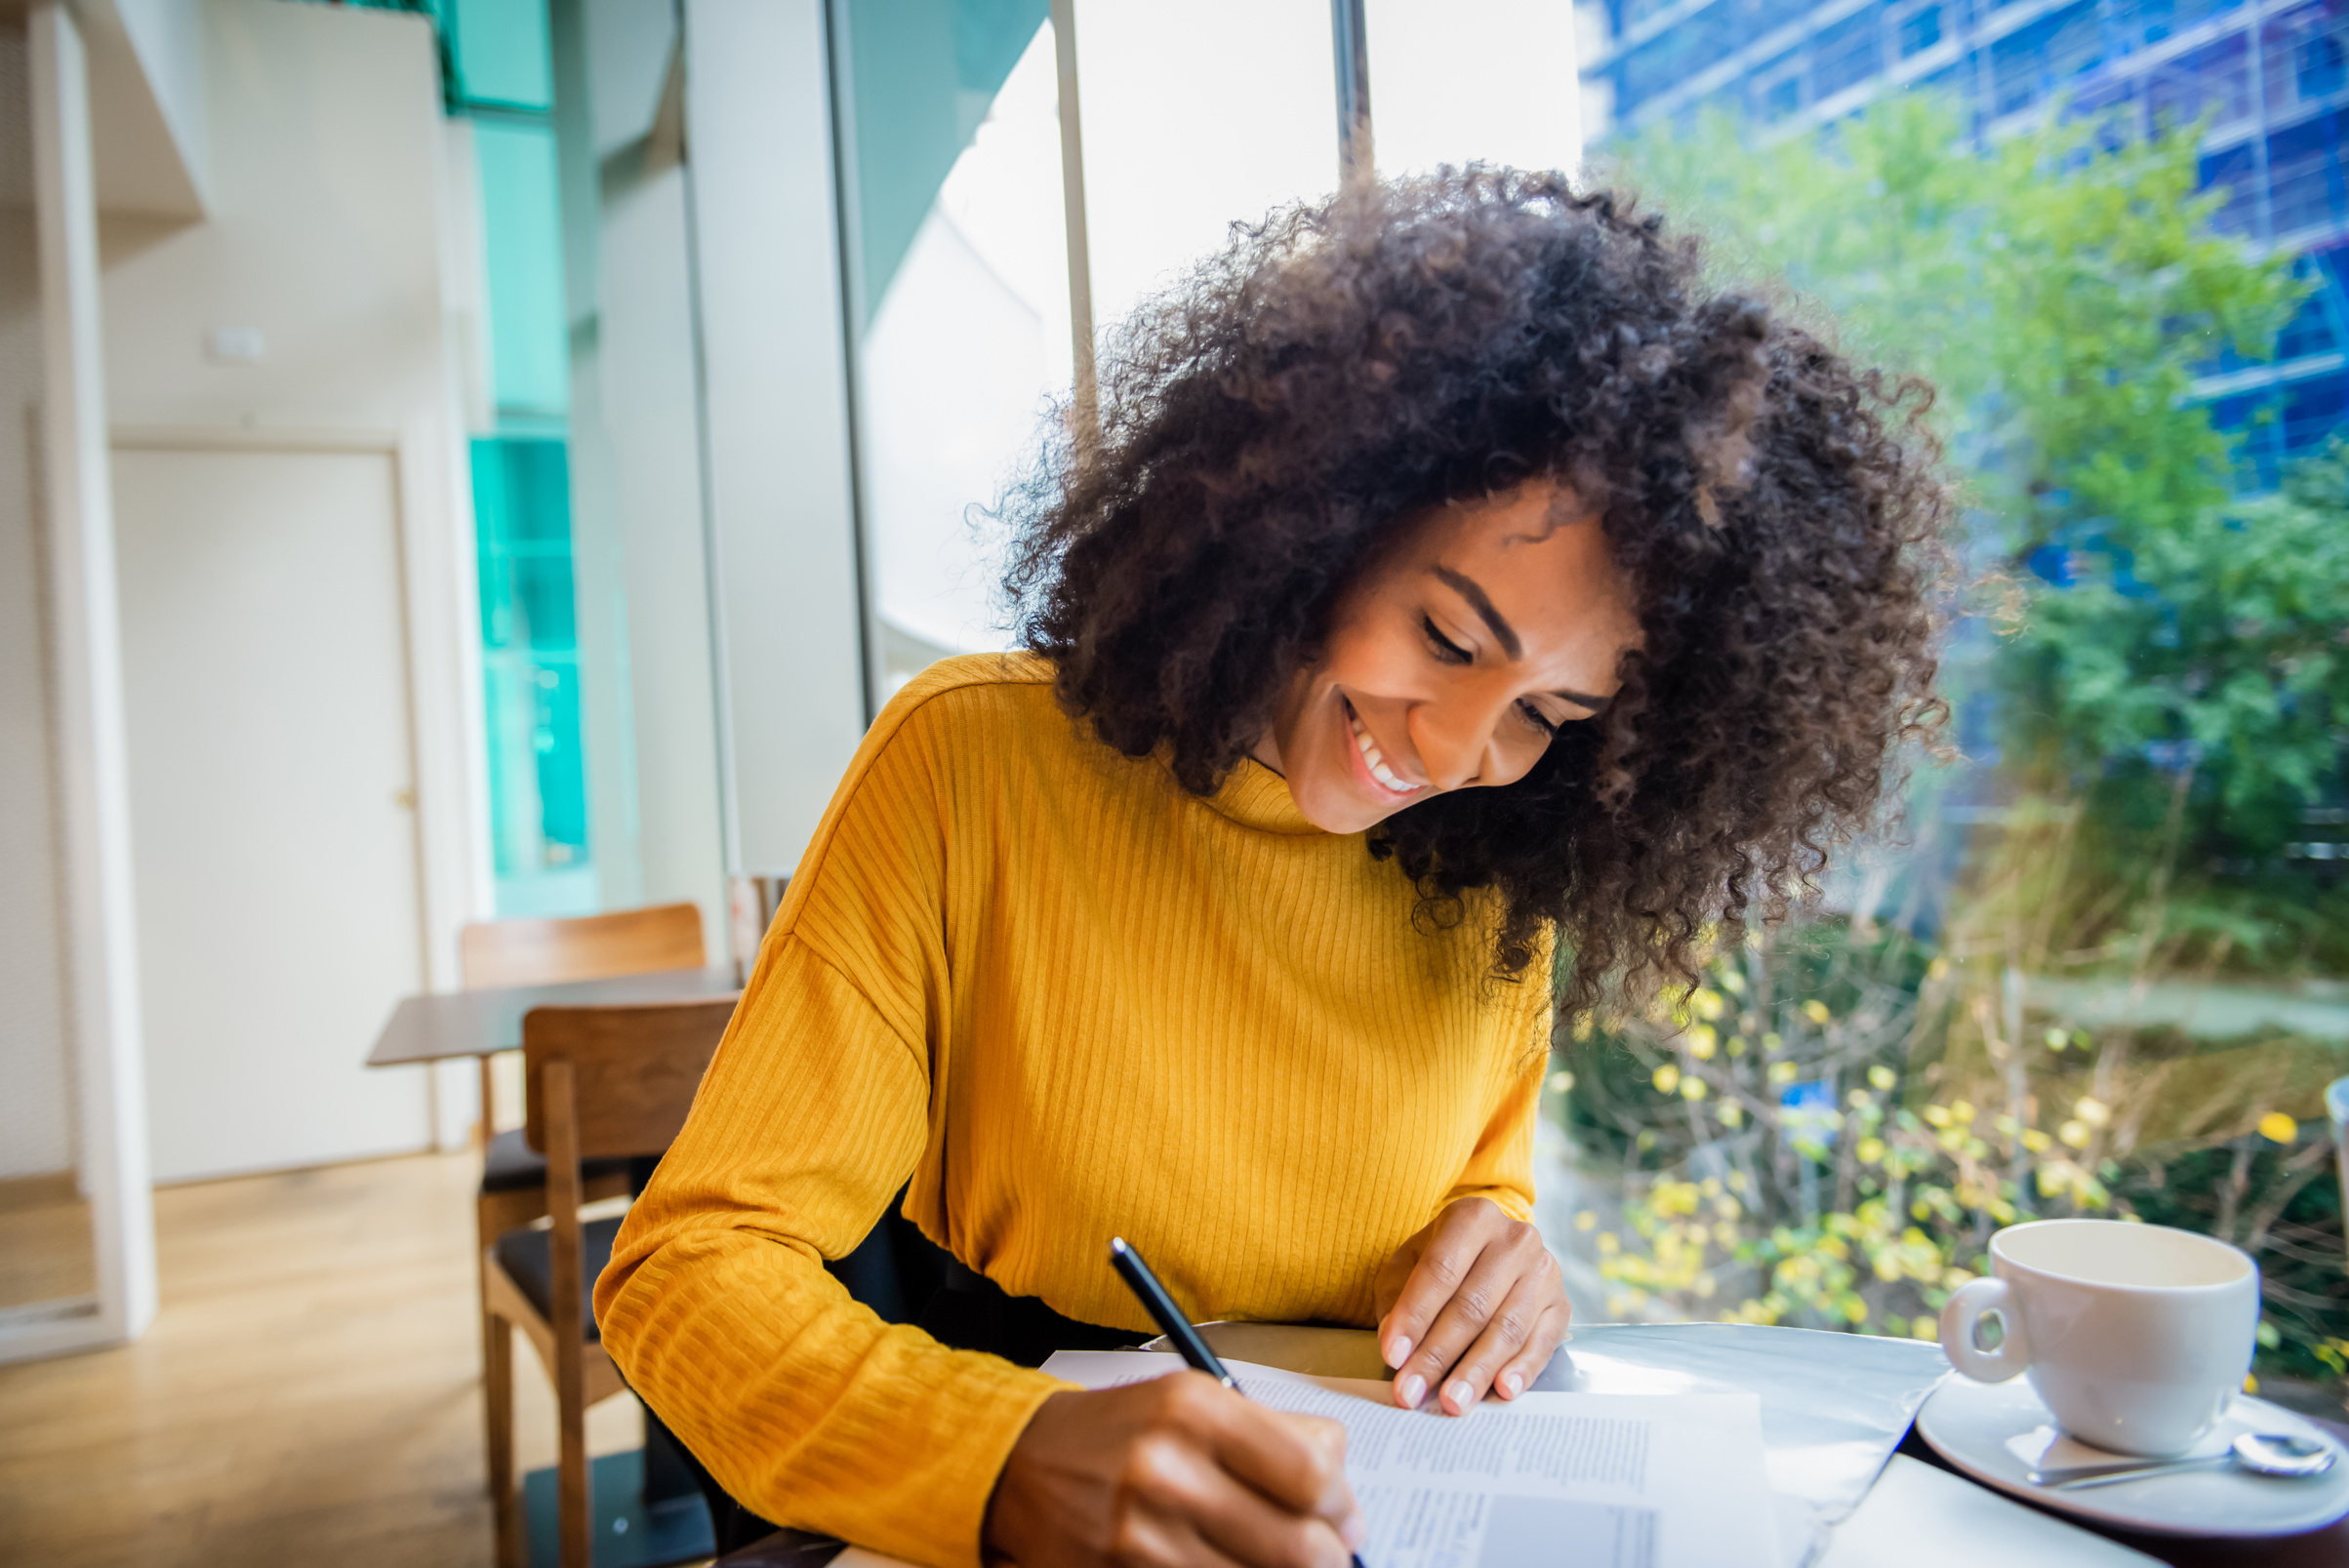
(2277,1454)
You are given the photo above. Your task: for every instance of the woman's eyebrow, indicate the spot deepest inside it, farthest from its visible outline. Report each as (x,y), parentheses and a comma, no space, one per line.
(1468,589)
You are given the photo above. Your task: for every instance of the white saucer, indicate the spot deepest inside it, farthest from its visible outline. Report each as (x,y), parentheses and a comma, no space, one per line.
(1996,1433)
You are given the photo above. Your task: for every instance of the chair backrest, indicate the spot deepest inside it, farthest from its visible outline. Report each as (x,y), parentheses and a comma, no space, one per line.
(592,947)
(632,1069)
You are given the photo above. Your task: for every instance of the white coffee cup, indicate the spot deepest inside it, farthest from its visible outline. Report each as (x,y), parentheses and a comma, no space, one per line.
(2136,1336)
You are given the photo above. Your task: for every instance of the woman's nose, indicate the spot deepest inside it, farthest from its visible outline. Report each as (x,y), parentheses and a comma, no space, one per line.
(1452,740)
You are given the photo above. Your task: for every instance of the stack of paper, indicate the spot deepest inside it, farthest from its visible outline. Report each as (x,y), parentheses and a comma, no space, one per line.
(1547,1480)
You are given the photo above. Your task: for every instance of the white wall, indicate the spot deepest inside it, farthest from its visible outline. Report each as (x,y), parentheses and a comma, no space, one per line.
(149,104)
(327,187)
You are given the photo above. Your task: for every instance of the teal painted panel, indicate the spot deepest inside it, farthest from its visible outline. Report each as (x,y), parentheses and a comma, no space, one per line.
(500,53)
(530,656)
(530,360)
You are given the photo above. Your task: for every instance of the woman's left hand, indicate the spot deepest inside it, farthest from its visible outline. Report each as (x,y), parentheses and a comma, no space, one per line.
(1472,1302)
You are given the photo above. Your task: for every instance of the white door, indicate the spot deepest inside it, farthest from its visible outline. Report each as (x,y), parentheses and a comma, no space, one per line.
(272,822)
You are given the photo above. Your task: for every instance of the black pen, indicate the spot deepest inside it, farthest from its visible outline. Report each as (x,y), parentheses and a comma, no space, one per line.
(1171,1322)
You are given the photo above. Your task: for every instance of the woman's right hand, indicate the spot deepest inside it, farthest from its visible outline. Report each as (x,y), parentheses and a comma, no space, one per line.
(1176,1472)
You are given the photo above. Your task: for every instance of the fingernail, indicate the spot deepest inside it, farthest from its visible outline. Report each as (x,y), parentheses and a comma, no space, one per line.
(1514,1382)
(1413,1390)
(1399,1350)
(1355,1531)
(1460,1394)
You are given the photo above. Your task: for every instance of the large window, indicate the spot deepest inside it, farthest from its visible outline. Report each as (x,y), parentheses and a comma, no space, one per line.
(2096,968)
(961,299)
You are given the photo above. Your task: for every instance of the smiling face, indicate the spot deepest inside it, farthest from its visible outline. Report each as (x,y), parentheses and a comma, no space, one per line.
(1454,660)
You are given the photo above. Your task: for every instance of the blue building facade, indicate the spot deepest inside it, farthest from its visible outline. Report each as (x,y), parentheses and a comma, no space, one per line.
(2272,78)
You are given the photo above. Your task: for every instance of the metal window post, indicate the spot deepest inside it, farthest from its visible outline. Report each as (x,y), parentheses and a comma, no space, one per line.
(1350,44)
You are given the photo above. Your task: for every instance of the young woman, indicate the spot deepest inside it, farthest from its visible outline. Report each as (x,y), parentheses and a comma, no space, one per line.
(1456,582)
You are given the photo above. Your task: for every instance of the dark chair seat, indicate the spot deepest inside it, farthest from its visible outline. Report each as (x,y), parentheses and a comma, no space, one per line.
(528,1257)
(512,1165)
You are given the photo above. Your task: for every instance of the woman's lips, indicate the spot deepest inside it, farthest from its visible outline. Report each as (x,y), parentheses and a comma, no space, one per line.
(1381,778)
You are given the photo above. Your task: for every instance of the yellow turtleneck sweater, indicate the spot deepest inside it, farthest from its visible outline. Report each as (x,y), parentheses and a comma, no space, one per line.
(1067,1000)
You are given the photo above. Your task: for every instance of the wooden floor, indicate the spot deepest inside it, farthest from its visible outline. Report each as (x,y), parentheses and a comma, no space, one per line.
(46,1251)
(309,1393)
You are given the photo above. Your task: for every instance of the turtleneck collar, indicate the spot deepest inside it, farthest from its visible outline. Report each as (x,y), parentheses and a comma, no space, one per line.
(1255,797)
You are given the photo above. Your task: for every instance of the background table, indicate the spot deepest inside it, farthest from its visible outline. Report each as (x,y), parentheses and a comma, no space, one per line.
(484,1023)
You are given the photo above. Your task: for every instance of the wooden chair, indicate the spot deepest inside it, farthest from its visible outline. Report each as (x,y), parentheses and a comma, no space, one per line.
(549,953)
(600,1083)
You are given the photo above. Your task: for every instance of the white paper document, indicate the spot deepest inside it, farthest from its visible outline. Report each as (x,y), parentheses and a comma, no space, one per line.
(1547,1480)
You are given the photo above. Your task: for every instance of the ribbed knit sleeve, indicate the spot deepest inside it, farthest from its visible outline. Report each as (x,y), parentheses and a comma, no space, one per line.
(1502,1166)
(804,1405)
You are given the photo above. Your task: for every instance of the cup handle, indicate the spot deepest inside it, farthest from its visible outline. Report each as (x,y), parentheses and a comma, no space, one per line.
(1961,1318)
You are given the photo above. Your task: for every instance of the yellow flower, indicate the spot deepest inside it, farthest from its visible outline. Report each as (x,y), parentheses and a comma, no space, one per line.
(2095,1112)
(1961,1110)
(1561,1082)
(1938,1115)
(1667,1078)
(1703,1042)
(1692,1087)
(1707,1003)
(1882,1076)
(1816,1011)
(2075,1133)
(2035,1140)
(1870,1151)
(1782,1073)
(1731,1114)
(1925,1328)
(1585,1221)
(1607,1241)
(1771,1040)
(2277,1128)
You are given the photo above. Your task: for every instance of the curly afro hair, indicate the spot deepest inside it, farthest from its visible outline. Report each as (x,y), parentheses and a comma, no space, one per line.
(1341,371)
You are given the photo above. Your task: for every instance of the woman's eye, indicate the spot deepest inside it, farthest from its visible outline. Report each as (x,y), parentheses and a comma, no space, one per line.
(1451,652)
(1537,718)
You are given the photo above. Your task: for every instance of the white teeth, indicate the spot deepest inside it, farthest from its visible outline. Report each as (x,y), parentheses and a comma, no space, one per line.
(1374,760)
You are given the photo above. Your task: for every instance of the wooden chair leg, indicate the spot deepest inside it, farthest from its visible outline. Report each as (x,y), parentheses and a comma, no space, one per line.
(574,1500)
(486,1127)
(498,1402)
(496,1363)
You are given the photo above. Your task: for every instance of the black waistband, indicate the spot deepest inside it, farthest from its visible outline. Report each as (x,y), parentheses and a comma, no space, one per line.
(972,1313)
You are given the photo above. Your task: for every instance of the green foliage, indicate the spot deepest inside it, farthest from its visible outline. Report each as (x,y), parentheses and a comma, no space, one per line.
(1828,1130)
(2187,682)
(1803,1176)
(2061,291)
(2219,642)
